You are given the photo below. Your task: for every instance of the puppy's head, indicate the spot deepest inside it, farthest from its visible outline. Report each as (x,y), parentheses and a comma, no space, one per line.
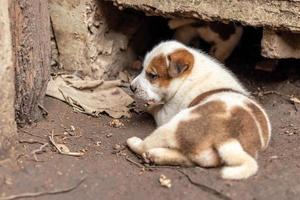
(164,69)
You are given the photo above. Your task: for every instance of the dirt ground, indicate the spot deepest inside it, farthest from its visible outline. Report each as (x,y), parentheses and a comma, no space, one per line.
(110,171)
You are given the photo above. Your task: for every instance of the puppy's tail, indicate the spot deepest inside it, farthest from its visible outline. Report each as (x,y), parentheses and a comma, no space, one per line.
(239,164)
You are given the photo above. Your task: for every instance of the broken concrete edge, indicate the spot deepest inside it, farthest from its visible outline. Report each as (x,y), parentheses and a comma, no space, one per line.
(279,45)
(277,29)
(8,127)
(272,14)
(86,41)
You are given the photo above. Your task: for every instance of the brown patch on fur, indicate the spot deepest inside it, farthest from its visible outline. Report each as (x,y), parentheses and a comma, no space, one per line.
(158,65)
(197,134)
(242,126)
(215,125)
(261,119)
(224,30)
(181,63)
(204,95)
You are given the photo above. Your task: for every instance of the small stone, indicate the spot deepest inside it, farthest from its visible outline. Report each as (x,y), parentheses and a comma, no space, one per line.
(164,181)
(274,157)
(98,143)
(117,147)
(108,135)
(8,180)
(116,123)
(72,128)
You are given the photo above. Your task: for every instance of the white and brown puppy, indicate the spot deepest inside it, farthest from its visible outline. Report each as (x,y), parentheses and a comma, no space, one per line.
(204,115)
(222,37)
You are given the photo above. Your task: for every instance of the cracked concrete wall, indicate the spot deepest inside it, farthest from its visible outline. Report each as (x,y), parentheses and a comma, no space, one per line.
(275,14)
(7,84)
(279,45)
(278,17)
(90,38)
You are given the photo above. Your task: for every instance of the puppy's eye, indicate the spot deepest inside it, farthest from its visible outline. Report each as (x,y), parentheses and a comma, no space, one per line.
(152,76)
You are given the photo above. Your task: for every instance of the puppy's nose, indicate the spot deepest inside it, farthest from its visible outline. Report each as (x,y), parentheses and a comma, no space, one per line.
(132,88)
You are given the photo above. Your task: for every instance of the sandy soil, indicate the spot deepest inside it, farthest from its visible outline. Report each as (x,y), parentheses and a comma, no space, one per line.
(108,174)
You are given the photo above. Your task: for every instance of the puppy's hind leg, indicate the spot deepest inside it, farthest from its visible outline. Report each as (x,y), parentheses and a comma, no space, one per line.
(206,158)
(162,137)
(165,156)
(240,165)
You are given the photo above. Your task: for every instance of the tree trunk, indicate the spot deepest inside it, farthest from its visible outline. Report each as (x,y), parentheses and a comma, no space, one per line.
(31,42)
(7,87)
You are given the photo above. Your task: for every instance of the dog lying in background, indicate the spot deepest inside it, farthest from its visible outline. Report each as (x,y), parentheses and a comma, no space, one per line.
(204,115)
(222,37)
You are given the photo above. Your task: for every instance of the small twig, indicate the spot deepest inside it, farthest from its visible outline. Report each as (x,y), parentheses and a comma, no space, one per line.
(150,167)
(31,141)
(290,98)
(61,150)
(43,109)
(134,162)
(204,187)
(54,36)
(37,194)
(31,134)
(38,151)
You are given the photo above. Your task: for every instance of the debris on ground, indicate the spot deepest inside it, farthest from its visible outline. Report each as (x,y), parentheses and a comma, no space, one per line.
(63,149)
(70,131)
(291,98)
(118,147)
(91,97)
(108,135)
(268,65)
(164,181)
(116,123)
(118,150)
(40,150)
(294,99)
(98,143)
(72,128)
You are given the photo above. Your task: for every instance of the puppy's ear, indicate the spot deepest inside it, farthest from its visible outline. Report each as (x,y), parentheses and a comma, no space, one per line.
(180,62)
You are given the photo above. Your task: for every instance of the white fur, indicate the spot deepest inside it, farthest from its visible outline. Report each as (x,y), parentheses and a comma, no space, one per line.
(232,99)
(240,165)
(172,103)
(206,158)
(201,79)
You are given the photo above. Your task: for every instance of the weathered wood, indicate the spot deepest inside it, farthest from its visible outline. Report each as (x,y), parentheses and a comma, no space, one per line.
(7,87)
(31,41)
(275,14)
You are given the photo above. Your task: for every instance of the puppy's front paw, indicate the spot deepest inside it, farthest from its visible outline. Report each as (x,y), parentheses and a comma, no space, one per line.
(152,156)
(147,158)
(134,143)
